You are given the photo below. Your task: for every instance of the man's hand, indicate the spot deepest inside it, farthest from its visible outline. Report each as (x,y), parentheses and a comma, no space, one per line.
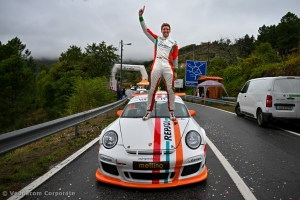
(175,75)
(141,11)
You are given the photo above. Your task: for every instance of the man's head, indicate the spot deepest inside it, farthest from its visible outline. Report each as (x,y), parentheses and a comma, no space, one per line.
(165,29)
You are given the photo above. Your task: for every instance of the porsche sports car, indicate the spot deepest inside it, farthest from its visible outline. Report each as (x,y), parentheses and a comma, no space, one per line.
(156,153)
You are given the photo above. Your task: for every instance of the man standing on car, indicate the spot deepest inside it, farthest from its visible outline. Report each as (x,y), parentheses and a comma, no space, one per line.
(165,64)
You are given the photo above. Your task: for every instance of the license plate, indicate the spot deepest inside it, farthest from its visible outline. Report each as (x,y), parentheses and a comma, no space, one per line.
(151,165)
(284,107)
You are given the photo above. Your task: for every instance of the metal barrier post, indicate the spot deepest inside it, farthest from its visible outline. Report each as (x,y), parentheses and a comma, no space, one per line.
(76,131)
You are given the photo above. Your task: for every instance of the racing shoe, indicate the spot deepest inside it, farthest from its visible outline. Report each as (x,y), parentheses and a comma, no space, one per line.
(147,116)
(172,116)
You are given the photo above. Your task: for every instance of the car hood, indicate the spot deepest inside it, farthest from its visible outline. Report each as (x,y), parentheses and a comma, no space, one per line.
(153,134)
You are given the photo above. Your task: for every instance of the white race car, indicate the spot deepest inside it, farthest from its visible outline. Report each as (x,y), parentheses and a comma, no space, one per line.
(156,153)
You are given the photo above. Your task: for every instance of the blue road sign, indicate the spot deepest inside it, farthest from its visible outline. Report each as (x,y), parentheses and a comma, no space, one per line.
(194,70)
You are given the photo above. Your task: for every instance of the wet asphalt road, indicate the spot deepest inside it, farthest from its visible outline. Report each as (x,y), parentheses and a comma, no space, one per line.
(267,159)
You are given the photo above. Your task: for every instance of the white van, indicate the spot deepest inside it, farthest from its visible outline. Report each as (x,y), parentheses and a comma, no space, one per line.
(270,98)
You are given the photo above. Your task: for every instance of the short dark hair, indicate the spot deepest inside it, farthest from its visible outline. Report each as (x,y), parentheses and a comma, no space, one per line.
(165,24)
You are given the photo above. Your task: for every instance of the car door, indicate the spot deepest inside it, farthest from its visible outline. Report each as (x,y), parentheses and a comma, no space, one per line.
(243,101)
(286,97)
(297,96)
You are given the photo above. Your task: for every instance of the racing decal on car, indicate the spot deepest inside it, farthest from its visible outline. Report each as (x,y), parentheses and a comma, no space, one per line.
(195,159)
(151,165)
(161,97)
(162,128)
(167,130)
(156,146)
(179,150)
(166,121)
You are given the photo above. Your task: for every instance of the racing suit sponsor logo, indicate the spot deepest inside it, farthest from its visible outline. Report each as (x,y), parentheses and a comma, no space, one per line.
(163,46)
(167,131)
(151,165)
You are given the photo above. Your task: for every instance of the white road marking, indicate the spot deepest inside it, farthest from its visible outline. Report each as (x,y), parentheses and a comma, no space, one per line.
(29,188)
(240,184)
(295,133)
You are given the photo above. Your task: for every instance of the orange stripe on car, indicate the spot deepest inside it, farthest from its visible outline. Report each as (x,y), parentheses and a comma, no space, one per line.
(179,150)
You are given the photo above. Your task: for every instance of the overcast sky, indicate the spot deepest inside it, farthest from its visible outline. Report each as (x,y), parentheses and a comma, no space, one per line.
(50,27)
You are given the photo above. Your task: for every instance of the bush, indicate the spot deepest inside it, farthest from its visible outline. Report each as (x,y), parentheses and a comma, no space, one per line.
(89,94)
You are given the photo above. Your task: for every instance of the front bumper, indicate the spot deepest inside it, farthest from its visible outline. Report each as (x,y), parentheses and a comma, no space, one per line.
(119,169)
(176,182)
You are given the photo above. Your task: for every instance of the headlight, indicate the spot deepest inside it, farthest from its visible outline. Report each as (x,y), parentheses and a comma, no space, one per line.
(193,139)
(110,139)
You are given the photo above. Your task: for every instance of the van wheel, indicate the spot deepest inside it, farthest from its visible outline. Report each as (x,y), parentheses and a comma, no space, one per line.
(260,119)
(238,110)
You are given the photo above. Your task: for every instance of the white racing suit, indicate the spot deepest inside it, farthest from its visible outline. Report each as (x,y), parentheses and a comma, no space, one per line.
(164,64)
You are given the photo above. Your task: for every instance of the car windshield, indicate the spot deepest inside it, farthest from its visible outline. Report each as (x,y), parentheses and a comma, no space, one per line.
(138,110)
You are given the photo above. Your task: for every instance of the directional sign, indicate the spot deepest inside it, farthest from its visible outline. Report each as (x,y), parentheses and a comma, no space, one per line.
(194,70)
(178,83)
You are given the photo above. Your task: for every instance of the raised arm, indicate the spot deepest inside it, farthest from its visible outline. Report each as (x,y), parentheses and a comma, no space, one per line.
(146,30)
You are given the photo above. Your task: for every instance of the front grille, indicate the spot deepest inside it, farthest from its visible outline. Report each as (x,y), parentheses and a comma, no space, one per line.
(151,176)
(152,152)
(191,169)
(111,169)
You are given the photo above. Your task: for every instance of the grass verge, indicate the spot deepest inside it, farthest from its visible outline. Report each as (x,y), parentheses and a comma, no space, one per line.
(20,167)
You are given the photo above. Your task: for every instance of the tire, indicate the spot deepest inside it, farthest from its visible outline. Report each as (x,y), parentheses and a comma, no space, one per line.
(260,119)
(238,110)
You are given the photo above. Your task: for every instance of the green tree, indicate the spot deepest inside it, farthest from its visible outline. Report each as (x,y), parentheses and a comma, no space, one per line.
(15,81)
(268,34)
(288,31)
(266,53)
(55,87)
(245,45)
(17,70)
(99,59)
(89,94)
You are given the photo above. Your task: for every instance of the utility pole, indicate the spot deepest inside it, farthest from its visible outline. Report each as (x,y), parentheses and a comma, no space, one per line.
(194,52)
(121,64)
(121,77)
(208,54)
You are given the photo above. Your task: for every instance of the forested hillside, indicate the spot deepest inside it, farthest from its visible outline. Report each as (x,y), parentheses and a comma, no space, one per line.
(275,52)
(35,92)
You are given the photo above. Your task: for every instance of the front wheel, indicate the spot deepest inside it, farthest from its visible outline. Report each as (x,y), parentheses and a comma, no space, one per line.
(238,110)
(260,119)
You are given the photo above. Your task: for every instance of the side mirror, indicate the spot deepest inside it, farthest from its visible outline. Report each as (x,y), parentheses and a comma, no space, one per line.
(119,113)
(192,112)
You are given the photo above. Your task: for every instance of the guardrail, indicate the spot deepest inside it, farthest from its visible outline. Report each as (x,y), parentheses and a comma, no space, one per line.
(199,99)
(13,140)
